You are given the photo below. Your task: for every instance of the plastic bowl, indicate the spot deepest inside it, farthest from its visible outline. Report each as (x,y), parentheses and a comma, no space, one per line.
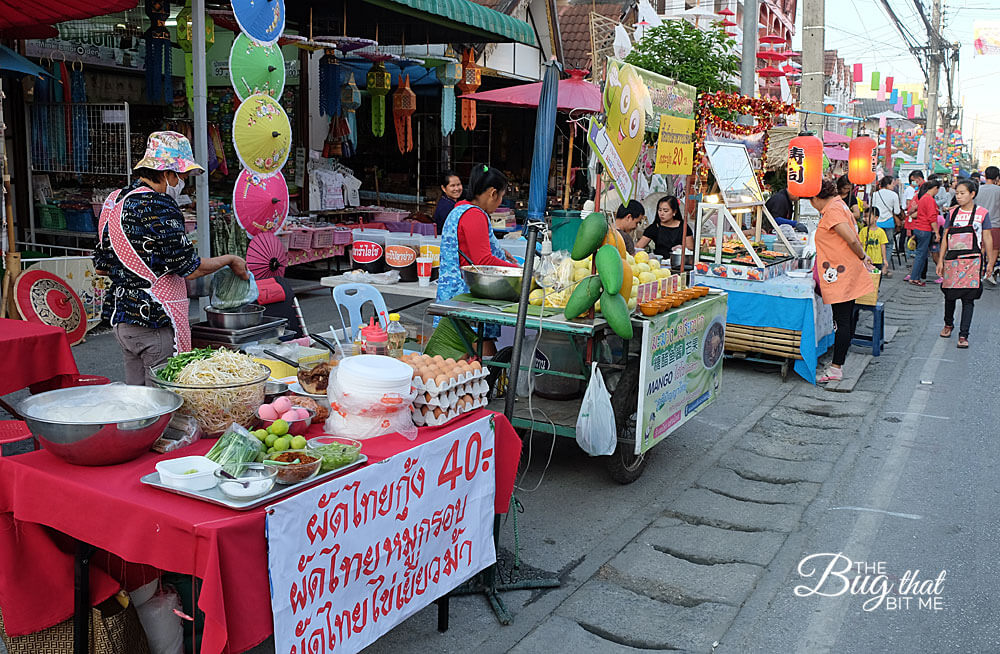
(258,477)
(295,427)
(336,451)
(216,407)
(295,472)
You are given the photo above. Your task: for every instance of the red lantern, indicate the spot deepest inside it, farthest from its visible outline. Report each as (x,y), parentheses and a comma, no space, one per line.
(805,165)
(861,160)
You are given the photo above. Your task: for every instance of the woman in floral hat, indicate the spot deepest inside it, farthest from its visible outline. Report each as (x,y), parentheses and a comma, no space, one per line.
(144,250)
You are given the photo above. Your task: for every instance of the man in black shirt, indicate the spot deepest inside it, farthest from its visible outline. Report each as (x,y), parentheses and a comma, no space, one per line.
(781,206)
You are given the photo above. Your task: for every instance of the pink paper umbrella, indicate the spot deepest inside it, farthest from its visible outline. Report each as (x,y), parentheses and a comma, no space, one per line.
(266,256)
(260,203)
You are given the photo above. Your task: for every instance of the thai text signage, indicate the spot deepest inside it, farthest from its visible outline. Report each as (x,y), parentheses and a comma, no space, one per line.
(350,559)
(674,147)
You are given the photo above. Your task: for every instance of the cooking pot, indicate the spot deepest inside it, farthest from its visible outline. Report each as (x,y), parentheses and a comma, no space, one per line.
(675,259)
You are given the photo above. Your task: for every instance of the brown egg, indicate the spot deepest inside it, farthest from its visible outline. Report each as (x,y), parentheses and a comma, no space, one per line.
(438,413)
(467,398)
(476,366)
(425,410)
(438,358)
(427,397)
(441,379)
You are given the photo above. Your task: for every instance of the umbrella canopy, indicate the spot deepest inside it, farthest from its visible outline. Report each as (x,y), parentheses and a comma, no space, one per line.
(46,298)
(887,114)
(772,38)
(771,55)
(769,71)
(545,127)
(12,63)
(266,256)
(262,134)
(574,93)
(261,21)
(255,68)
(833,138)
(260,203)
(726,11)
(31,13)
(835,154)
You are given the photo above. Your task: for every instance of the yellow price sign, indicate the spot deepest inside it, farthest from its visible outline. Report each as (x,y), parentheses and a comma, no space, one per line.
(674,149)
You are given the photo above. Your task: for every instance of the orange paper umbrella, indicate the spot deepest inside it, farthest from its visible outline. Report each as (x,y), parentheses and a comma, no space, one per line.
(772,38)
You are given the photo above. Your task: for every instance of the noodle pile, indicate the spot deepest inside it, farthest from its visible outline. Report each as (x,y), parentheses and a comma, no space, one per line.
(216,409)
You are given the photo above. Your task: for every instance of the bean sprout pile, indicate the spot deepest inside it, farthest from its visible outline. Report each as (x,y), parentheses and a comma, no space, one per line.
(221,392)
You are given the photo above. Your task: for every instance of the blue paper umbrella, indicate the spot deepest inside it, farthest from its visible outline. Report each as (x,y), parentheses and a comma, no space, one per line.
(261,20)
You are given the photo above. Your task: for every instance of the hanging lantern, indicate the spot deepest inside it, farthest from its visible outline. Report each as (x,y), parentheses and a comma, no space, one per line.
(805,165)
(449,75)
(404,105)
(184,39)
(159,86)
(379,82)
(861,160)
(350,101)
(472,77)
(329,85)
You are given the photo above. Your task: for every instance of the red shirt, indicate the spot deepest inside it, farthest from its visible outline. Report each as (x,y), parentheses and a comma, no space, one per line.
(474,238)
(927,214)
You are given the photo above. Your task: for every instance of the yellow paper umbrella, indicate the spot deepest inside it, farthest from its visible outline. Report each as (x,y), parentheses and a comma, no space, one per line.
(262,135)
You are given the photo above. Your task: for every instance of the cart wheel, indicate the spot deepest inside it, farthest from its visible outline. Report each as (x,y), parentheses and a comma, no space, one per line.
(624,465)
(497,379)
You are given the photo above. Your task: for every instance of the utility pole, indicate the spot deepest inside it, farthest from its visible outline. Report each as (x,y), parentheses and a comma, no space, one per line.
(933,82)
(813,43)
(748,74)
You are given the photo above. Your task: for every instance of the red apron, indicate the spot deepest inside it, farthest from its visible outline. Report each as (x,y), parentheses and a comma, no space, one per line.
(168,290)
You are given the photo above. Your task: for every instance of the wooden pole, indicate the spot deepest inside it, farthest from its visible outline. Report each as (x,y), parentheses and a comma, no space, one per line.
(569,165)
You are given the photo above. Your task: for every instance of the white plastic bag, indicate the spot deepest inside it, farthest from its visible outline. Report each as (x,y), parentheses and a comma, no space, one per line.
(162,625)
(364,415)
(595,425)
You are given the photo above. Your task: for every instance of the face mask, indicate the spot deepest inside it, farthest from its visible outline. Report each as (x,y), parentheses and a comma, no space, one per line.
(175,191)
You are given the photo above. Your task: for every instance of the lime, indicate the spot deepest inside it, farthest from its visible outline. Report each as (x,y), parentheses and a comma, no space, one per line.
(282,444)
(261,434)
(280,427)
(299,443)
(269,441)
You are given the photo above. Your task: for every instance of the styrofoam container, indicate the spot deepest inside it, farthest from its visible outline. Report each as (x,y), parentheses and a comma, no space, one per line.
(172,473)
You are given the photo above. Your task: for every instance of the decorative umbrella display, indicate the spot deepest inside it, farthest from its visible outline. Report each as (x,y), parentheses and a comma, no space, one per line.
(404,105)
(262,134)
(48,299)
(261,21)
(260,203)
(266,256)
(772,38)
(347,43)
(449,74)
(255,68)
(771,55)
(378,83)
(769,71)
(472,78)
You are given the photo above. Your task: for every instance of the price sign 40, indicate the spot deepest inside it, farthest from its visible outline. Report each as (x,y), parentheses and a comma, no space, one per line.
(475,459)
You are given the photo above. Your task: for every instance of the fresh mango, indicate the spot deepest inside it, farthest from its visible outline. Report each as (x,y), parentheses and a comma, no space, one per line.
(615,238)
(609,267)
(627,279)
(583,297)
(589,237)
(615,310)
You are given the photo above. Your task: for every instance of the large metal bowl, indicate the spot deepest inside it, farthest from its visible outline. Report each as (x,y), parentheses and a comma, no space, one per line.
(494,282)
(99,444)
(249,315)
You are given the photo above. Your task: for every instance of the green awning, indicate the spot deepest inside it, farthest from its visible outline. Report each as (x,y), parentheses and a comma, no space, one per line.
(464,16)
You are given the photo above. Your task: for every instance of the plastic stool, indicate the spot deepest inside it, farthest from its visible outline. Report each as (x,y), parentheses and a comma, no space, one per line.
(15,438)
(876,339)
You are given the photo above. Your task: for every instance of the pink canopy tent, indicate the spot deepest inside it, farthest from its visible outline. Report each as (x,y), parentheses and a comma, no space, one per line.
(575,94)
(833,138)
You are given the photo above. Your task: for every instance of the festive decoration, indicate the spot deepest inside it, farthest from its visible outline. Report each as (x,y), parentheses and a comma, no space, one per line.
(255,68)
(262,135)
(404,105)
(862,160)
(805,165)
(159,70)
(888,84)
(379,82)
(260,203)
(875,80)
(329,85)
(261,21)
(449,75)
(266,256)
(184,39)
(350,101)
(472,78)
(859,75)
(770,71)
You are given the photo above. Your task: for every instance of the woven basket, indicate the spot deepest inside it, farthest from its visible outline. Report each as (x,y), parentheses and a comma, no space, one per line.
(113,630)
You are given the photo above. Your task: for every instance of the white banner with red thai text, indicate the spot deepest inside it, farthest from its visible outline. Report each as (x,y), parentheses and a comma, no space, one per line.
(350,559)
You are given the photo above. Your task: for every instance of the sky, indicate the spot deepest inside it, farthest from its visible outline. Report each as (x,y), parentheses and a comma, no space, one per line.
(861,31)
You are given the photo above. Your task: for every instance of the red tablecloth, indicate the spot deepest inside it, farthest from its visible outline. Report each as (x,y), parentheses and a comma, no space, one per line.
(31,353)
(109,508)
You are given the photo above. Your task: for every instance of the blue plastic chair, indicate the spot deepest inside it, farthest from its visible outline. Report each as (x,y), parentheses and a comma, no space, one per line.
(351,298)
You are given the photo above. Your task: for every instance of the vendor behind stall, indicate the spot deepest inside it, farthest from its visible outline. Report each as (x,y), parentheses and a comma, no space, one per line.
(144,250)
(451,193)
(627,218)
(781,206)
(668,230)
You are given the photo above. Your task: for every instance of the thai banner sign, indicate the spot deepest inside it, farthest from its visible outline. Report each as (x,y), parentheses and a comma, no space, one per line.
(674,146)
(680,372)
(350,559)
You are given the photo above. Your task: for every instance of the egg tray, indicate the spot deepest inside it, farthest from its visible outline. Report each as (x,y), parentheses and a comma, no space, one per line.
(434,388)
(449,398)
(431,420)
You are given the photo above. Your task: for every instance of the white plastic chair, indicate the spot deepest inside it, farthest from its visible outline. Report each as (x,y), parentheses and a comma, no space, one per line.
(351,298)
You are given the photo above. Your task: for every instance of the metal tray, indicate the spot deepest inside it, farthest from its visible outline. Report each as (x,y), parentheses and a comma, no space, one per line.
(268,328)
(214,495)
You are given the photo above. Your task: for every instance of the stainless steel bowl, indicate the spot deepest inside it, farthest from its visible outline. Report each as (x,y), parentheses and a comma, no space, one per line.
(98,444)
(249,315)
(494,282)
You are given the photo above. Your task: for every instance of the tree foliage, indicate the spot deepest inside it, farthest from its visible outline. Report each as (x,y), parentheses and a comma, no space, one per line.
(705,59)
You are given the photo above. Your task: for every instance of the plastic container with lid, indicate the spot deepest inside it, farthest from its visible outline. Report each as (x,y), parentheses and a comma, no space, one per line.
(368,249)
(430,246)
(401,252)
(371,396)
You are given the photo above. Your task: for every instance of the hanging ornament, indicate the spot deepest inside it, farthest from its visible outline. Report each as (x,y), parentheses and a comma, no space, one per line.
(379,81)
(805,165)
(350,101)
(159,87)
(185,30)
(404,105)
(472,77)
(329,85)
(449,75)
(862,160)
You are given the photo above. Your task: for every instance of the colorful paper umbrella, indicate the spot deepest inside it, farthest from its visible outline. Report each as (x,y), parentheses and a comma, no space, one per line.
(726,11)
(348,43)
(772,38)
(260,203)
(46,298)
(266,256)
(255,68)
(261,20)
(262,134)
(769,71)
(728,23)
(771,55)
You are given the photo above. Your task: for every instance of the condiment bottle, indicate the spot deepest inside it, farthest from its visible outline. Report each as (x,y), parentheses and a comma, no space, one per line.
(376,340)
(396,334)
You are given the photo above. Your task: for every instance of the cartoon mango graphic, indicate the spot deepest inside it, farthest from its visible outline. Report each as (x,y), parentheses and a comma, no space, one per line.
(626,101)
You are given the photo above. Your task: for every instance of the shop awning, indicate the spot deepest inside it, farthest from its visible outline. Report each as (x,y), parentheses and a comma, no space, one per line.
(27,13)
(13,63)
(574,93)
(487,25)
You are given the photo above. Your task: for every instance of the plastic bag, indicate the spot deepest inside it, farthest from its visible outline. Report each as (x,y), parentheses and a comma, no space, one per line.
(181,431)
(362,277)
(231,292)
(363,415)
(162,625)
(595,425)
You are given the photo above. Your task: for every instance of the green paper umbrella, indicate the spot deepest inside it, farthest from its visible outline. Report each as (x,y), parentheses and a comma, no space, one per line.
(255,68)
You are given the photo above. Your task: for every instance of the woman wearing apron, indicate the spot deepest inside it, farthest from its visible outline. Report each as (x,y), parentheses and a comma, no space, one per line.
(962,263)
(144,250)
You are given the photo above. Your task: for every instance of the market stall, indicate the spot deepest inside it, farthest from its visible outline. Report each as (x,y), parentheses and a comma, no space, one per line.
(35,353)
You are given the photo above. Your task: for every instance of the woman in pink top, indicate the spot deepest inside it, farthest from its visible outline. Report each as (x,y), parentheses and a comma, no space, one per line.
(925,228)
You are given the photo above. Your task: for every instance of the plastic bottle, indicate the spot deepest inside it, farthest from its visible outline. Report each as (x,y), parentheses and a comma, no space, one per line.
(396,334)
(376,340)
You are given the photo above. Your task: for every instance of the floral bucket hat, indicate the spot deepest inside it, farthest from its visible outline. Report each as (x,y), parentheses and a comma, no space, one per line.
(169,151)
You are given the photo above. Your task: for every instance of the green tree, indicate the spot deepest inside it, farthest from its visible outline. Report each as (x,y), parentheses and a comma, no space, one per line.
(705,59)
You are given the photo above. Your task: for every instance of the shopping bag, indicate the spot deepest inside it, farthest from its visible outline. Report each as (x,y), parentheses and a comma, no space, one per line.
(595,425)
(230,292)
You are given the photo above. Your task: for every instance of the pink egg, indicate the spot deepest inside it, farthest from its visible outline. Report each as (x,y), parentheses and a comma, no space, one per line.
(282,404)
(267,412)
(302,414)
(290,415)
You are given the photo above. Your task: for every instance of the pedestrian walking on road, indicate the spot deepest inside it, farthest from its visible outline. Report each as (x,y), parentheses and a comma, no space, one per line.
(965,241)
(843,271)
(886,200)
(925,229)
(988,197)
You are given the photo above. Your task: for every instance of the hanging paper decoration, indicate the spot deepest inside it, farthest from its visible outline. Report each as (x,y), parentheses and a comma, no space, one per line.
(888,84)
(159,71)
(862,158)
(329,85)
(472,77)
(875,80)
(350,101)
(859,75)
(379,81)
(805,165)
(894,96)
(404,105)
(911,112)
(184,39)
(449,75)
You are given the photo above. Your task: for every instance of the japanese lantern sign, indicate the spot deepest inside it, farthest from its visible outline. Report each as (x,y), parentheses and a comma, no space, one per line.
(350,559)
